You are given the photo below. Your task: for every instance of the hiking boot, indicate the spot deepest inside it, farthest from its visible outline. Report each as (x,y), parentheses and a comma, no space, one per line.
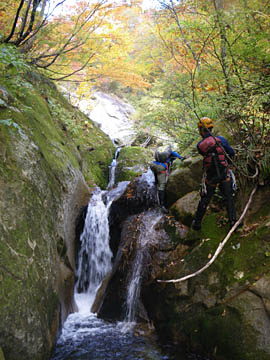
(196,225)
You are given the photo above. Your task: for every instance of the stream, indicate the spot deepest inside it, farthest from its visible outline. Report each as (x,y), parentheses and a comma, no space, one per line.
(85,336)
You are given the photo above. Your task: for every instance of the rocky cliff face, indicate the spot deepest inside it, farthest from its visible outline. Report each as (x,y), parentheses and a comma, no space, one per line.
(112,114)
(49,152)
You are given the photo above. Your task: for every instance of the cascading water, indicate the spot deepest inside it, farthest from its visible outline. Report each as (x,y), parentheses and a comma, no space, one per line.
(146,238)
(113,169)
(94,258)
(84,336)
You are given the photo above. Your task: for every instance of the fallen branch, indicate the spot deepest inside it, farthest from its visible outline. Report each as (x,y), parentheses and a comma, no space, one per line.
(220,247)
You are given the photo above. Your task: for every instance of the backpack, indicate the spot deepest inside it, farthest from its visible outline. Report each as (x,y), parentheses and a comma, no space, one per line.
(162,156)
(215,163)
(217,171)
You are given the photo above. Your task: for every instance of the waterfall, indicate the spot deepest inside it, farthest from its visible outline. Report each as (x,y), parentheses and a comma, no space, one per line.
(84,335)
(95,256)
(112,169)
(146,238)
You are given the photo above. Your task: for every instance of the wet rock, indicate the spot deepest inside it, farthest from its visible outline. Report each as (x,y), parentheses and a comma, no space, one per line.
(224,311)
(254,320)
(139,196)
(204,296)
(114,305)
(111,114)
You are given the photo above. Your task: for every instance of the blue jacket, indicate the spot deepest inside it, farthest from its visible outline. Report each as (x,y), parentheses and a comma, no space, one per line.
(160,163)
(173,156)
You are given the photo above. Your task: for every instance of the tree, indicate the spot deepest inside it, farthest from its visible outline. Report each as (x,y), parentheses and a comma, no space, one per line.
(89,42)
(30,17)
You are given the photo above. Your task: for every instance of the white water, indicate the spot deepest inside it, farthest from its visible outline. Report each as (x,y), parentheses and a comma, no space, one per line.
(95,256)
(84,336)
(149,177)
(146,238)
(113,170)
(94,260)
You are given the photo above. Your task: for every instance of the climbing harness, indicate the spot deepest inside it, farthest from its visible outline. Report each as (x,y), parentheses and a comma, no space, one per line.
(206,124)
(203,190)
(233,180)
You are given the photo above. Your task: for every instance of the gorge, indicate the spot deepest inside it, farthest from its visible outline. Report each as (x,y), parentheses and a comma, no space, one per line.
(49,176)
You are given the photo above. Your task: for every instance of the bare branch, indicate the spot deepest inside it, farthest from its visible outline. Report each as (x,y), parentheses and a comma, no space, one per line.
(74,72)
(64,49)
(220,247)
(31,24)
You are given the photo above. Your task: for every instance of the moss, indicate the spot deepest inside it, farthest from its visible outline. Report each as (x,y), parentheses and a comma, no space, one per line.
(220,330)
(217,330)
(42,117)
(61,248)
(247,255)
(211,332)
(171,229)
(52,306)
(39,160)
(132,161)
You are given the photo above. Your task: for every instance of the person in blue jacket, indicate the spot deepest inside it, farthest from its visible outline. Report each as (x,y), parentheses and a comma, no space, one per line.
(216,171)
(161,167)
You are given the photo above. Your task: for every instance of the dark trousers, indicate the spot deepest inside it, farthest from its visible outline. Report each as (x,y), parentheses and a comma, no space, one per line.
(226,189)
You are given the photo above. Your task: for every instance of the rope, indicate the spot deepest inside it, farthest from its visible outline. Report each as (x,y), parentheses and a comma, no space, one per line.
(220,246)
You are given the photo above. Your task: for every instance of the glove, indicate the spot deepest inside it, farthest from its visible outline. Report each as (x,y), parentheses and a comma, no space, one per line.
(184,158)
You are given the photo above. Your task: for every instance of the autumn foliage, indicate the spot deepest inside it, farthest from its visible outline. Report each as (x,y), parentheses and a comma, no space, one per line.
(178,62)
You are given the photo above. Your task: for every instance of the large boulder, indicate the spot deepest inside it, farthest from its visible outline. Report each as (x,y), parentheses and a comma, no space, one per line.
(132,161)
(222,312)
(43,168)
(184,179)
(144,244)
(185,207)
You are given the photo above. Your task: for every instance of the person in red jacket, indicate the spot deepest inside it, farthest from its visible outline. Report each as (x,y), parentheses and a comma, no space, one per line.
(216,171)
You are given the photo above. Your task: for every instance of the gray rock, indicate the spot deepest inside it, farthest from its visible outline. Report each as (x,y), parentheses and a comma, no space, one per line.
(186,206)
(254,321)
(184,179)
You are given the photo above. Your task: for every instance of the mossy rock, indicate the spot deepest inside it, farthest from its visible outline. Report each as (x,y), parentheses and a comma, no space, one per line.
(184,179)
(2,357)
(47,155)
(185,207)
(222,312)
(132,161)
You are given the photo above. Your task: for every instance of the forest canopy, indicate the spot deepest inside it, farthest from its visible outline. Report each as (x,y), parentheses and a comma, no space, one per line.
(176,62)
